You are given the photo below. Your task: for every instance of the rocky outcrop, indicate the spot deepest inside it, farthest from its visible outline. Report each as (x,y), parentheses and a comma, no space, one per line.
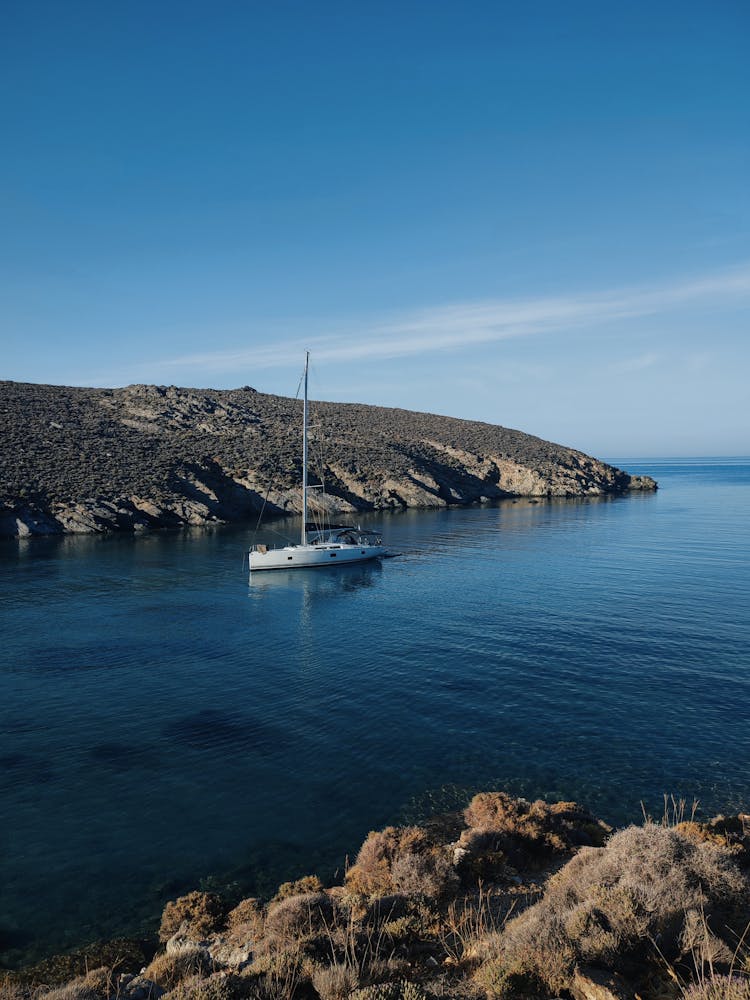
(144,457)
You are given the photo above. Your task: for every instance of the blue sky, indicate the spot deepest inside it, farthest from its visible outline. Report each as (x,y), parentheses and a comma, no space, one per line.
(531,214)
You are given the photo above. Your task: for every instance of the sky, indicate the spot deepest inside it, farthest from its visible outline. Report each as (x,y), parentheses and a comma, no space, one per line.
(532,214)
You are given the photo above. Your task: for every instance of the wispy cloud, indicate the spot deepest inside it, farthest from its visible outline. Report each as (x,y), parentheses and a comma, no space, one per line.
(465,324)
(638,364)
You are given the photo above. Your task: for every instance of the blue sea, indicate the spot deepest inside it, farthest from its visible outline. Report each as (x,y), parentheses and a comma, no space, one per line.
(168,725)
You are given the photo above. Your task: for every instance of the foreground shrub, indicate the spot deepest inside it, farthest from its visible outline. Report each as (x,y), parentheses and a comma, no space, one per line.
(400,860)
(300,886)
(607,905)
(197,914)
(719,988)
(427,874)
(503,981)
(246,921)
(335,982)
(98,984)
(370,875)
(216,987)
(169,969)
(298,919)
(77,990)
(526,833)
(391,991)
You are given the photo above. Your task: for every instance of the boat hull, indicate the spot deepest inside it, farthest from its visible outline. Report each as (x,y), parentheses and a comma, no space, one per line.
(312,556)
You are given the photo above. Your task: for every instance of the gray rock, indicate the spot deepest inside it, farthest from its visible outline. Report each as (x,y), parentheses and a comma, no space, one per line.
(137,988)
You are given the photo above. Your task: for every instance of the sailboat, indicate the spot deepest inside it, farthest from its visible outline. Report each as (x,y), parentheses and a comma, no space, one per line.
(327,546)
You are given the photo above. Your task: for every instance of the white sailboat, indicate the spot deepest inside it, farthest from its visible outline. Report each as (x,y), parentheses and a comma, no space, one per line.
(329,546)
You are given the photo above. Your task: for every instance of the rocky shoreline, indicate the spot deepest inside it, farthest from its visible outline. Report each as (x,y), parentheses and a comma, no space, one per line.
(509,899)
(151,457)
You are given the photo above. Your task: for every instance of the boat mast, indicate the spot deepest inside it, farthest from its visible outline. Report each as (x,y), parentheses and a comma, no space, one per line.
(304,456)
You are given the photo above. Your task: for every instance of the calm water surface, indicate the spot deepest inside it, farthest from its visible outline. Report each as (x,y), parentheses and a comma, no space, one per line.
(164,725)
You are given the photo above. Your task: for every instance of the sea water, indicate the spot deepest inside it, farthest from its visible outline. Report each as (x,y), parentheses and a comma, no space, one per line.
(167,724)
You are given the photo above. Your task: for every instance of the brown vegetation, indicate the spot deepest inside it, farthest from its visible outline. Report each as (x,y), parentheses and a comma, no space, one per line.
(172,967)
(657,911)
(198,914)
(620,907)
(505,828)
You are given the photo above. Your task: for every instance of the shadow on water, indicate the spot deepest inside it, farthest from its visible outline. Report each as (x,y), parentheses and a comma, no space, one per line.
(213,729)
(122,757)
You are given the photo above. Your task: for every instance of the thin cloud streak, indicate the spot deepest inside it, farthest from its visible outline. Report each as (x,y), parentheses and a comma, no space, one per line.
(461,325)
(638,364)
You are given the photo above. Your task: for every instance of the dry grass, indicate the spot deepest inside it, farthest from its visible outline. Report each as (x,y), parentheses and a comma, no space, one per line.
(275,976)
(169,969)
(720,987)
(216,987)
(468,921)
(335,982)
(77,990)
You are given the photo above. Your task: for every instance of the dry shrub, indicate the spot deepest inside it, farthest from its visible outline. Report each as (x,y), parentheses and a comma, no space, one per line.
(167,970)
(430,874)
(502,827)
(383,909)
(607,905)
(469,921)
(77,990)
(706,949)
(730,832)
(102,981)
(217,987)
(399,859)
(501,981)
(335,982)
(719,988)
(246,921)
(197,914)
(404,990)
(402,929)
(298,919)
(98,984)
(299,887)
(274,976)
(11,989)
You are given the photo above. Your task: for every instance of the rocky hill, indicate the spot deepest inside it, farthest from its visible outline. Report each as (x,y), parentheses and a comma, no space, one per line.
(89,460)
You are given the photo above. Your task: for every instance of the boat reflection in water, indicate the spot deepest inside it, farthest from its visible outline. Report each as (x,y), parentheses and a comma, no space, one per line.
(324,581)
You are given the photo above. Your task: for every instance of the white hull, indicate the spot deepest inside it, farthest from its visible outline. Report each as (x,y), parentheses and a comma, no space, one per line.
(312,556)
(318,546)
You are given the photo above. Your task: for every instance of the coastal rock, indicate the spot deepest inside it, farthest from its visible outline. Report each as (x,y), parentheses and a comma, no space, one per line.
(221,950)
(83,461)
(138,988)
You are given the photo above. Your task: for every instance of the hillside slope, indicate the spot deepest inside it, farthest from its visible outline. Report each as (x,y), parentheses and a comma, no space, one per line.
(141,457)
